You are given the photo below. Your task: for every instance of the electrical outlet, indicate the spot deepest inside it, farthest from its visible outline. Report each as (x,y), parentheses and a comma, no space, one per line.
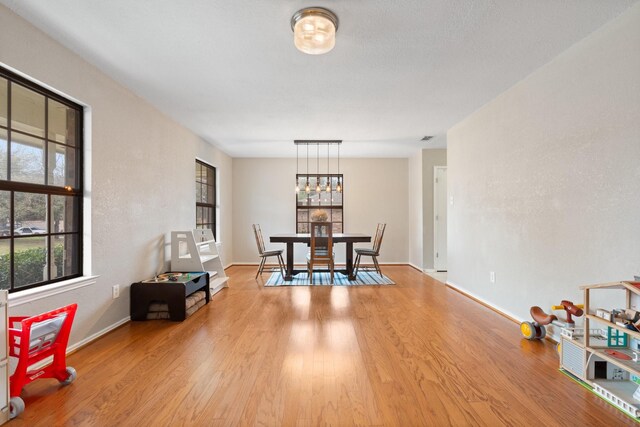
(116,291)
(492,276)
(451,200)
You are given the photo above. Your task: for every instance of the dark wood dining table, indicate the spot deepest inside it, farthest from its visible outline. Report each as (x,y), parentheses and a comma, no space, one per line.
(348,238)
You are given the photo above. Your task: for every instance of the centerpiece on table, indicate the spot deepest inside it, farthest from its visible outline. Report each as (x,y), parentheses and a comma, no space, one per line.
(319,215)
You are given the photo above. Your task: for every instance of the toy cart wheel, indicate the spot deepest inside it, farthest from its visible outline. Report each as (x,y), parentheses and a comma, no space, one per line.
(541,332)
(72,376)
(528,330)
(16,407)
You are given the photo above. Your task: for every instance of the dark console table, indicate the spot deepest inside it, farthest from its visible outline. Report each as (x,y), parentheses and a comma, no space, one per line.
(172,292)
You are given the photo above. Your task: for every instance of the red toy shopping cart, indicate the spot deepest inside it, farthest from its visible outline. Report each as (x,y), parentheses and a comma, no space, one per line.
(34,339)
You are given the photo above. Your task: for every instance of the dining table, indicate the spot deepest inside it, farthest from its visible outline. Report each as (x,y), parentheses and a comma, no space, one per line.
(348,238)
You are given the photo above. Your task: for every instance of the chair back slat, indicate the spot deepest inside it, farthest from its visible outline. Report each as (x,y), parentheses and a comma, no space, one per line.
(321,241)
(258,233)
(378,239)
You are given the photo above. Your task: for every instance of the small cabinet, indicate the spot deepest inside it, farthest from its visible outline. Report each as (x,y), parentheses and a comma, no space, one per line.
(172,292)
(197,250)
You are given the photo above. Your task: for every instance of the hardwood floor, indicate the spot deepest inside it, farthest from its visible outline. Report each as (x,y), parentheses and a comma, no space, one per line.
(413,354)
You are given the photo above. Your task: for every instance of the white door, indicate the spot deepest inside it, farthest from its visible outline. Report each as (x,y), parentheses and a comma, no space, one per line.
(440,218)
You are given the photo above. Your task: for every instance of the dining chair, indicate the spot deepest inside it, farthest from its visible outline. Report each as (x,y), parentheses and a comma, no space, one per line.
(262,253)
(373,252)
(321,248)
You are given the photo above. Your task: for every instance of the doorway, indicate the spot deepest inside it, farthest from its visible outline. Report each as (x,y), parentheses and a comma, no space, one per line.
(440,218)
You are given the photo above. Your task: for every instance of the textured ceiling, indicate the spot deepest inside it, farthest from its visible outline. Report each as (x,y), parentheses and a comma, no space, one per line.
(400,70)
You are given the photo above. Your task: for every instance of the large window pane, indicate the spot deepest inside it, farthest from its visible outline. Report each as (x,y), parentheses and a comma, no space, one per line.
(5,263)
(62,164)
(198,172)
(63,123)
(5,213)
(27,159)
(3,102)
(30,213)
(336,198)
(3,154)
(199,213)
(65,256)
(27,110)
(30,254)
(205,196)
(65,214)
(210,195)
(198,192)
(42,145)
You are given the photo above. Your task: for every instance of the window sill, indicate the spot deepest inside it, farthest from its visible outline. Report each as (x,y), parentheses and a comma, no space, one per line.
(41,292)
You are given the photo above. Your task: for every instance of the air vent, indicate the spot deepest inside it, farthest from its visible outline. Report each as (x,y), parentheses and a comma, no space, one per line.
(426,138)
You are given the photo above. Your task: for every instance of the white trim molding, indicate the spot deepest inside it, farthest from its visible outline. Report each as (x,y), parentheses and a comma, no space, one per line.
(70,349)
(471,295)
(41,292)
(93,337)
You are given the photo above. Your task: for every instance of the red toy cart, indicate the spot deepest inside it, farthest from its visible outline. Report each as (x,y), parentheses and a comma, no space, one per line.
(32,340)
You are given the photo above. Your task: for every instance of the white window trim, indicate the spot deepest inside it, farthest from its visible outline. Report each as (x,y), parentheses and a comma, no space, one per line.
(46,291)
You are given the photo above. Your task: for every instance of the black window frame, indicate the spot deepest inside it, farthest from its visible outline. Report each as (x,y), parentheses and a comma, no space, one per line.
(46,189)
(209,205)
(301,179)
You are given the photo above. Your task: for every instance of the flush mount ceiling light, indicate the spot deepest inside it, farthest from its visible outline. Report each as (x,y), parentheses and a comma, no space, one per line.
(314,30)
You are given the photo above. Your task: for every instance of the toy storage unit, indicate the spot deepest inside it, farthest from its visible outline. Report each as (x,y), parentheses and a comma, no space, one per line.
(197,250)
(172,293)
(602,355)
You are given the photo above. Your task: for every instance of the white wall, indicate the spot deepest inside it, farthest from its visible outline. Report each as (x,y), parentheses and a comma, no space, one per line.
(415,210)
(142,176)
(375,191)
(546,178)
(430,159)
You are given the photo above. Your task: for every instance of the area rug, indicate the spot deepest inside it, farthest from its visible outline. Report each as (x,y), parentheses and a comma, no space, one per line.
(323,279)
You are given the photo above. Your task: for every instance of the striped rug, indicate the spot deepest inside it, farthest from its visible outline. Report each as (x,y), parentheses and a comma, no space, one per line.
(323,279)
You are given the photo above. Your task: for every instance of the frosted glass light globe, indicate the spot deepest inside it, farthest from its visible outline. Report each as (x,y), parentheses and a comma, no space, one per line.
(314,30)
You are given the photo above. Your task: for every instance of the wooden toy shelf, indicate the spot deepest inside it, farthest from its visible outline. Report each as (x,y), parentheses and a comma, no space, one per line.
(598,356)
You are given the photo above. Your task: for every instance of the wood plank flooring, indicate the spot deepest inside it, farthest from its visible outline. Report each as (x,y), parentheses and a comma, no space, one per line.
(413,354)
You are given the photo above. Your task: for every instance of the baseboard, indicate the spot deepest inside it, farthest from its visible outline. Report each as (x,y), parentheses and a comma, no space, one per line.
(77,346)
(505,313)
(415,267)
(93,337)
(429,270)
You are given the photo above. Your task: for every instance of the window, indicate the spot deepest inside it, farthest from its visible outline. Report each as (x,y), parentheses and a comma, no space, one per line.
(40,185)
(331,202)
(205,196)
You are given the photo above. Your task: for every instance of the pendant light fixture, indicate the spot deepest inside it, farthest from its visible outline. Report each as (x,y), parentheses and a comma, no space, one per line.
(328,189)
(339,186)
(307,189)
(297,161)
(314,30)
(318,189)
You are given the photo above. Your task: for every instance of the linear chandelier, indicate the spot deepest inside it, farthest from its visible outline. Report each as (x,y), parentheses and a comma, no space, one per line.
(317,143)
